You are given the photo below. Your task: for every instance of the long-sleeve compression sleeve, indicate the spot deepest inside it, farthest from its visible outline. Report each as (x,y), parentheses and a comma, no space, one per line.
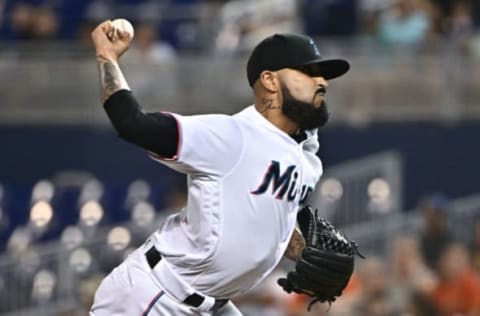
(155,132)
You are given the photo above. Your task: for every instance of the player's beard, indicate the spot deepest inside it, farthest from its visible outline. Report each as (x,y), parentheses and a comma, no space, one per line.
(305,114)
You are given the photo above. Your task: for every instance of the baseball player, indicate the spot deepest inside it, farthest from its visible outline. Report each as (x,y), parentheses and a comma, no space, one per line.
(247,176)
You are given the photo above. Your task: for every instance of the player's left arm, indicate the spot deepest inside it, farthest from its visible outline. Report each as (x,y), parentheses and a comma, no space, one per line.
(295,246)
(326,264)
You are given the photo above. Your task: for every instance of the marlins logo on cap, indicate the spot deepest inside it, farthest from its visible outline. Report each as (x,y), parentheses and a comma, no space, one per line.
(315,48)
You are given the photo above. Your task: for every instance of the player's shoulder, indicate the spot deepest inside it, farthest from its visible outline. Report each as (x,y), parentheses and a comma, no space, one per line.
(216,122)
(219,124)
(203,117)
(212,119)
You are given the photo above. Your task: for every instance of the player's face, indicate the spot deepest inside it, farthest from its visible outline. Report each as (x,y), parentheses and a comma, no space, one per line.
(303,98)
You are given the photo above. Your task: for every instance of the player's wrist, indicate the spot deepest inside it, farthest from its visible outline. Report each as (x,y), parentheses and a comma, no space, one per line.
(103,57)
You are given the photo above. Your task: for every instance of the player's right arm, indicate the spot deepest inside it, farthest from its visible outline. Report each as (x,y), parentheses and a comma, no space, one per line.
(110,45)
(125,113)
(209,144)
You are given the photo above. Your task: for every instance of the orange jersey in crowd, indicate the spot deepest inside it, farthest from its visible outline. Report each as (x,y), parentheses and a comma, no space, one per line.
(461,295)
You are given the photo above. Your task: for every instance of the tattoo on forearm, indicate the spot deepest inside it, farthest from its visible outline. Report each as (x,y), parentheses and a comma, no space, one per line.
(111,78)
(296,246)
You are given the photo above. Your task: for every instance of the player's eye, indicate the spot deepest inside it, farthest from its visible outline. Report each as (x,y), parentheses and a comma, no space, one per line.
(309,70)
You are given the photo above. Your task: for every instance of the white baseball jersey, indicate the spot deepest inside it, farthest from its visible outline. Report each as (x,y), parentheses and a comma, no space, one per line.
(246,179)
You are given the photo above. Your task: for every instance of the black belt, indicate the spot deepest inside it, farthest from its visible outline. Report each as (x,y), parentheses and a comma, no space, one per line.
(195,300)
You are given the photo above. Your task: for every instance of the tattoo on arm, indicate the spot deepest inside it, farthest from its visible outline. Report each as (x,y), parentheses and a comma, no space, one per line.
(111,78)
(296,246)
(110,72)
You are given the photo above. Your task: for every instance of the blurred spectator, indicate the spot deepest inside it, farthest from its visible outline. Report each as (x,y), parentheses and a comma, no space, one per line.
(33,21)
(243,23)
(475,247)
(148,47)
(87,288)
(407,22)
(420,305)
(461,24)
(369,14)
(330,18)
(180,20)
(21,21)
(447,12)
(443,13)
(84,33)
(444,6)
(86,292)
(408,271)
(269,299)
(99,10)
(458,290)
(476,13)
(44,23)
(373,297)
(2,11)
(454,20)
(435,236)
(343,304)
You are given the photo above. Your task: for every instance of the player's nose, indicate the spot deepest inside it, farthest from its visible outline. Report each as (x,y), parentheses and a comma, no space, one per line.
(320,81)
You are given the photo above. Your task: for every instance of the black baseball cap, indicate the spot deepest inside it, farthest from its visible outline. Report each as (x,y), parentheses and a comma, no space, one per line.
(292,51)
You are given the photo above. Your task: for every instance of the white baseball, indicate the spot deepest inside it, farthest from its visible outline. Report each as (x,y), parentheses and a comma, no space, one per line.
(125,26)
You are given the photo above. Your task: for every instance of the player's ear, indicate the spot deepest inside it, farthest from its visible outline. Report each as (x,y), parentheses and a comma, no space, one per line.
(269,81)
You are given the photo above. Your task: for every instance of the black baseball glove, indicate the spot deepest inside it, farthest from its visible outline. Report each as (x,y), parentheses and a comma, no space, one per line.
(326,263)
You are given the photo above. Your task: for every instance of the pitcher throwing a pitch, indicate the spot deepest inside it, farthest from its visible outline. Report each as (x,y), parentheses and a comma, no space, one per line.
(249,176)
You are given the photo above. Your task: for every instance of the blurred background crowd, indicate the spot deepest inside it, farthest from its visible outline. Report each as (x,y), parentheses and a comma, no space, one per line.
(169,27)
(400,155)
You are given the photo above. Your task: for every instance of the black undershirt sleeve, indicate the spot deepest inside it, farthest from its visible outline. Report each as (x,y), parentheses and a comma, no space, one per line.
(155,132)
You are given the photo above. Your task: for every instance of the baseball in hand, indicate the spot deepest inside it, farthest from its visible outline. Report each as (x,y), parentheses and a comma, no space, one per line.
(124,26)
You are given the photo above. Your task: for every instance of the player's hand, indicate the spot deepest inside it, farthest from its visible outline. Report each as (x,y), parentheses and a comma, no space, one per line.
(110,43)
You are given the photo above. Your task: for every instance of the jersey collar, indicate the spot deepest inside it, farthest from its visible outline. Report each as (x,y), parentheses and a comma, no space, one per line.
(309,144)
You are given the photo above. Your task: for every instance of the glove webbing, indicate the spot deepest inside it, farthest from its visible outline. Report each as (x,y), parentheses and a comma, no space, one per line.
(340,244)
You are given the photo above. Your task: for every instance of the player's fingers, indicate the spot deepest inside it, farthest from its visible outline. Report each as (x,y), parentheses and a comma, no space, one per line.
(123,34)
(107,27)
(102,30)
(113,34)
(109,30)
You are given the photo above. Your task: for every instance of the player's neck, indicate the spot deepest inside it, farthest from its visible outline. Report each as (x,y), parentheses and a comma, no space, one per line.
(272,111)
(283,123)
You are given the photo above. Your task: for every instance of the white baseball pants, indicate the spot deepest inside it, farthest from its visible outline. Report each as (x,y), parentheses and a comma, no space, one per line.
(131,289)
